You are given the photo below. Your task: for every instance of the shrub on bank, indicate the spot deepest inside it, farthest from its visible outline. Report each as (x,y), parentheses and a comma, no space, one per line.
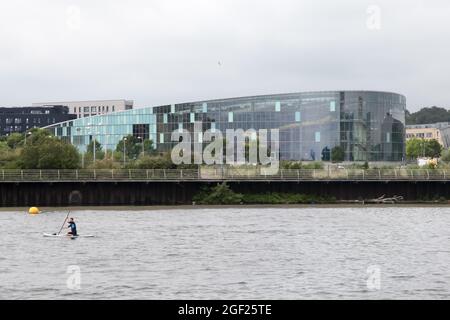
(284,198)
(301,165)
(220,194)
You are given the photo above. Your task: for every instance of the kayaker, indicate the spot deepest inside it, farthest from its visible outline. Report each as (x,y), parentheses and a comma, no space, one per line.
(73,228)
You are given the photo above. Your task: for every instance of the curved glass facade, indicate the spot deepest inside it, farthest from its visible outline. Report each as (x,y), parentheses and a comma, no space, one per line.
(368,125)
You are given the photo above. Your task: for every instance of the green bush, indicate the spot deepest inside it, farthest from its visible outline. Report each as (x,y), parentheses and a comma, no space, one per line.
(445,157)
(284,198)
(337,154)
(154,162)
(43,151)
(301,165)
(313,165)
(220,194)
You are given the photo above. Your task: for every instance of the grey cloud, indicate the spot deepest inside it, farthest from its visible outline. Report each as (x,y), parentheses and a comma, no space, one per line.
(159,52)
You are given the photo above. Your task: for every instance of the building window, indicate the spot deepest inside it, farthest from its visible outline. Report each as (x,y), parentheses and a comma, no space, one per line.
(113,108)
(17,120)
(429,135)
(317,136)
(107,108)
(213,127)
(93,109)
(165,118)
(205,107)
(74,109)
(230,117)
(277,106)
(172,108)
(298,116)
(161,138)
(192,117)
(180,127)
(141,131)
(332,106)
(86,109)
(388,137)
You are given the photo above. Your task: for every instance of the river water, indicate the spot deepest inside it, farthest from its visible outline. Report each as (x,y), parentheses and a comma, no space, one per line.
(229,253)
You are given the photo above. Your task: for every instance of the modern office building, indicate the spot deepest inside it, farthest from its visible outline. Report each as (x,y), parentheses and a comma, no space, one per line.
(91,108)
(20,119)
(439,131)
(367,125)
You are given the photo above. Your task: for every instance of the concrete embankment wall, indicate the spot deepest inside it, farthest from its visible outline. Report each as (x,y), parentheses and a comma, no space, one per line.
(177,193)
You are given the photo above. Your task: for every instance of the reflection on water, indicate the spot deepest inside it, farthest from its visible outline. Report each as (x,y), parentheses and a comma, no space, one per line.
(230,253)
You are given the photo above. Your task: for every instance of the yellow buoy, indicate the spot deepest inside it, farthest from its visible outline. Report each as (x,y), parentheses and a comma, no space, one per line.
(33,210)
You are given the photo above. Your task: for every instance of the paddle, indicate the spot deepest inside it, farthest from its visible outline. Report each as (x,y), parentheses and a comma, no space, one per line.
(63,223)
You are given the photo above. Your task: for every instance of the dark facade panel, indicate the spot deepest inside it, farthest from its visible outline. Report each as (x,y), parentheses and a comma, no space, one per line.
(21,119)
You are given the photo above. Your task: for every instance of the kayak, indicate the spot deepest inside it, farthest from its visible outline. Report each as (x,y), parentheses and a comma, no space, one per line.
(54,235)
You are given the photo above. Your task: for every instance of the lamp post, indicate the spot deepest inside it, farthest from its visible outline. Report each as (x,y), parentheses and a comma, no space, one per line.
(142,141)
(93,132)
(95,142)
(82,153)
(124,150)
(90,132)
(27,134)
(106,147)
(423,147)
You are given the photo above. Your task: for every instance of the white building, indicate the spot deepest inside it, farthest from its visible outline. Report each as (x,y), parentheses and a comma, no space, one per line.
(90,108)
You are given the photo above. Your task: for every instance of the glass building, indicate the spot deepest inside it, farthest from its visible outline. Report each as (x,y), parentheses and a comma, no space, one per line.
(367,125)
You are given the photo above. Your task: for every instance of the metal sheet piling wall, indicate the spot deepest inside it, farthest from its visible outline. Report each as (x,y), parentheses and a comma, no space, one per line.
(105,193)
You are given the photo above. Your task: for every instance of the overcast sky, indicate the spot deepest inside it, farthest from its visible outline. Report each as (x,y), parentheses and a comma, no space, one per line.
(169,51)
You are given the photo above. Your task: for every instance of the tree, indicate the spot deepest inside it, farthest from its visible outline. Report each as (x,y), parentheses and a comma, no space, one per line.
(433,148)
(428,115)
(133,146)
(416,148)
(14,140)
(148,146)
(220,194)
(44,151)
(337,154)
(155,162)
(98,147)
(445,156)
(128,145)
(8,157)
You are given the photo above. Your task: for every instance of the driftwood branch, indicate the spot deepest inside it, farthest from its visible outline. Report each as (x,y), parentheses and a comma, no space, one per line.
(382,199)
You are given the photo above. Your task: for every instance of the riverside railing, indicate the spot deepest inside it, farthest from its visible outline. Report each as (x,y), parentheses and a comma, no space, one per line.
(223,174)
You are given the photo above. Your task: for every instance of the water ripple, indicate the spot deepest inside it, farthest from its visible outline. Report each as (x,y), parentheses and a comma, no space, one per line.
(238,253)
